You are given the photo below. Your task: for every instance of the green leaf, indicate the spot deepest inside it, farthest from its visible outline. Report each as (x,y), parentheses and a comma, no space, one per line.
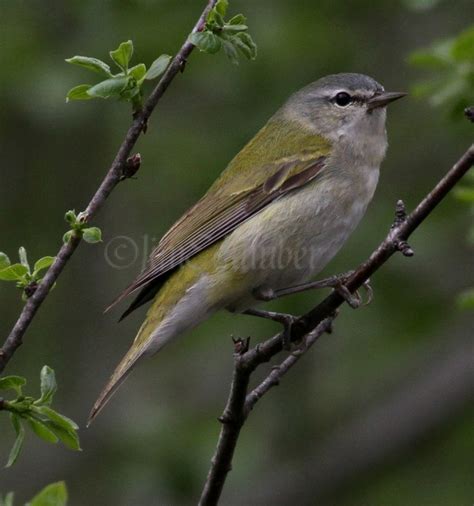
(464,194)
(231,52)
(71,217)
(123,54)
(428,60)
(245,44)
(221,7)
(158,67)
(4,261)
(54,494)
(238,19)
(108,88)
(7,500)
(235,28)
(20,436)
(93,64)
(42,430)
(12,383)
(79,93)
(138,72)
(15,272)
(48,386)
(92,235)
(463,46)
(42,263)
(206,41)
(68,437)
(23,258)
(55,417)
(66,237)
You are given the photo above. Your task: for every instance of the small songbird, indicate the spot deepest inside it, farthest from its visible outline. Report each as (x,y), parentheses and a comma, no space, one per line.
(275,217)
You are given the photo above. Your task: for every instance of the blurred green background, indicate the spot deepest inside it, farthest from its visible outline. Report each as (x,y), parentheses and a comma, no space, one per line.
(380,412)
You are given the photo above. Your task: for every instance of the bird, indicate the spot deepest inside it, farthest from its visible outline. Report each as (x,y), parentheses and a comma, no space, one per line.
(274,218)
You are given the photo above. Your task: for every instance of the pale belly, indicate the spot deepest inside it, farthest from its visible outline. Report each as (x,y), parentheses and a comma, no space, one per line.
(293,239)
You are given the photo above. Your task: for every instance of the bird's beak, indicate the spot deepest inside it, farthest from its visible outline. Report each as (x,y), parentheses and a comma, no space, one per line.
(382,99)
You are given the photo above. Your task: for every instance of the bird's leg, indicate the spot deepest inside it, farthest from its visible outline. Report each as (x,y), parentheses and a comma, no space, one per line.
(287,320)
(336,282)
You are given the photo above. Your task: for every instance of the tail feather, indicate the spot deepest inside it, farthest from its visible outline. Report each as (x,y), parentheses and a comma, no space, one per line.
(118,377)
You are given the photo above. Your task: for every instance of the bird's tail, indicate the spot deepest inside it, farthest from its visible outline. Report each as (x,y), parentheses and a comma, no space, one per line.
(118,377)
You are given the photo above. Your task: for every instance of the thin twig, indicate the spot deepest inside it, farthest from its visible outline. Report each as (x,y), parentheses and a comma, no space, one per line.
(277,372)
(239,406)
(113,177)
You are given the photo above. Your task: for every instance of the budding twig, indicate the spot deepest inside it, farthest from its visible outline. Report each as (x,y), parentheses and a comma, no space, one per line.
(113,177)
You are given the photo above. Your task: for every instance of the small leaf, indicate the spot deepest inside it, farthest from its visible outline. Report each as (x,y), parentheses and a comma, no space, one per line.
(206,41)
(138,72)
(15,272)
(108,88)
(463,46)
(68,437)
(12,383)
(158,67)
(66,237)
(42,263)
(54,494)
(56,418)
(92,235)
(221,7)
(4,261)
(235,28)
(238,19)
(231,52)
(93,64)
(48,386)
(20,436)
(71,217)
(428,59)
(23,258)
(247,40)
(79,93)
(42,431)
(123,54)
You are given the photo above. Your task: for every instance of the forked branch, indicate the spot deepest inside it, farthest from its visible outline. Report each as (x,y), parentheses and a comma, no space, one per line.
(310,327)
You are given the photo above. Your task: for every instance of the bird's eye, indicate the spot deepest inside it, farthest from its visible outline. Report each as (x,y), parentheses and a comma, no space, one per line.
(342,99)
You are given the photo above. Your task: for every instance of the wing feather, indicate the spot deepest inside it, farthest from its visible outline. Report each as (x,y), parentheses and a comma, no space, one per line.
(226,215)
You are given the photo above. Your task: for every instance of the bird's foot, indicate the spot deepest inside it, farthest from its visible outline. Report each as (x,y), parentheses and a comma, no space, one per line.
(337,282)
(287,320)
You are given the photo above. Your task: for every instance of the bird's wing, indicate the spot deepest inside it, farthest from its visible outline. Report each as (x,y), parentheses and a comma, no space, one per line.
(211,219)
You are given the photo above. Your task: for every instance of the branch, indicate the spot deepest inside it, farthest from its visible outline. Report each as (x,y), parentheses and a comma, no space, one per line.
(312,325)
(115,174)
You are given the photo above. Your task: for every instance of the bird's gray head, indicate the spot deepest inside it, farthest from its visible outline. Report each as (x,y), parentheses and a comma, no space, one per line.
(343,107)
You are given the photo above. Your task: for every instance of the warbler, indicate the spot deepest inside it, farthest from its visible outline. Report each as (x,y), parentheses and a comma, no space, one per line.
(274,218)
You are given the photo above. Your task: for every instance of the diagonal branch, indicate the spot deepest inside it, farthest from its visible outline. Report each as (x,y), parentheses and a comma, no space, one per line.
(115,174)
(312,325)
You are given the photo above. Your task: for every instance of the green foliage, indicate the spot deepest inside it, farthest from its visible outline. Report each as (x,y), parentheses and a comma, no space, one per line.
(54,494)
(79,228)
(231,35)
(7,500)
(44,421)
(25,277)
(452,62)
(124,85)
